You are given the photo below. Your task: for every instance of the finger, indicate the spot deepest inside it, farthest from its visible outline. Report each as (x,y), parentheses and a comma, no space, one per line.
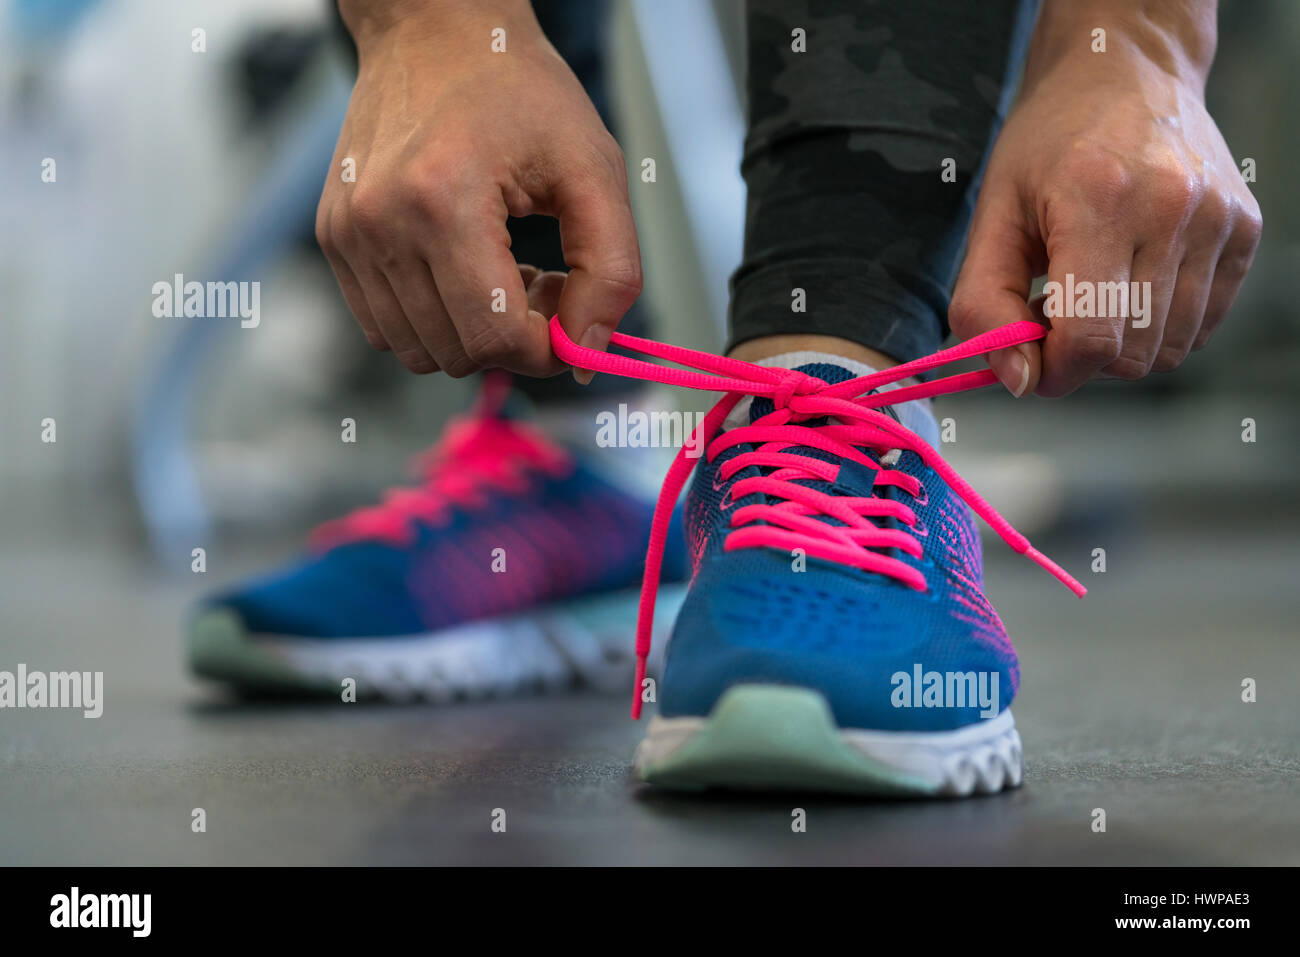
(353,236)
(544,292)
(1186,310)
(528,273)
(1080,345)
(1238,254)
(600,245)
(350,288)
(482,289)
(1002,258)
(412,283)
(1208,232)
(391,318)
(1142,306)
(1223,293)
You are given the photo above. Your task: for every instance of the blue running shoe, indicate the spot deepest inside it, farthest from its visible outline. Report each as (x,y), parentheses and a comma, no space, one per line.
(835,635)
(509,567)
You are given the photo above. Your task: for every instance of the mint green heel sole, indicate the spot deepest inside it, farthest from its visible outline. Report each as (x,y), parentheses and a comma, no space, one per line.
(217,647)
(772,737)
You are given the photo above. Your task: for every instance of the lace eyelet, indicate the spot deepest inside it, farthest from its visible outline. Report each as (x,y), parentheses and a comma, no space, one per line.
(925,497)
(919,529)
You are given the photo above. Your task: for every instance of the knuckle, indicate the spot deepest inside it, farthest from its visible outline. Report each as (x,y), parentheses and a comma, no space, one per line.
(1169,358)
(1128,367)
(436,188)
(619,280)
(1234,265)
(596,159)
(490,344)
(626,274)
(460,366)
(1175,189)
(1054,388)
(369,213)
(1216,212)
(1095,344)
(324,236)
(1101,177)
(432,196)
(385,255)
(617,161)
(417,360)
(1250,223)
(963,316)
(611,147)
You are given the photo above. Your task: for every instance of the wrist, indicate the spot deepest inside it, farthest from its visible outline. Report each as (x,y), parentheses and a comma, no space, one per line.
(372,21)
(1177,37)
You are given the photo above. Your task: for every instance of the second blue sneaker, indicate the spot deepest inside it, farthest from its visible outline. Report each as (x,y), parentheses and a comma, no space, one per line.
(510,566)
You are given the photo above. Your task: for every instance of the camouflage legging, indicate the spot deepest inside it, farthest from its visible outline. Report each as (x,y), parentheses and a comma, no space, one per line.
(847,142)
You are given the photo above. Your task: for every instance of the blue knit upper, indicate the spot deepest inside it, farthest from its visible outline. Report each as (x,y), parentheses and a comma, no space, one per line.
(563,538)
(751,617)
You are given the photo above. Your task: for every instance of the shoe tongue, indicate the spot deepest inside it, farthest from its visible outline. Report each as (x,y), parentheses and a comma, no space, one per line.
(854,479)
(827,372)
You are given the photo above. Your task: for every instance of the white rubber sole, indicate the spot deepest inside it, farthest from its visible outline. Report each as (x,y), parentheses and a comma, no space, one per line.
(772,737)
(588,641)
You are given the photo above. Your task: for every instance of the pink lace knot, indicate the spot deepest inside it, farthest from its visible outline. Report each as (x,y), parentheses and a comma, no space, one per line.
(794,383)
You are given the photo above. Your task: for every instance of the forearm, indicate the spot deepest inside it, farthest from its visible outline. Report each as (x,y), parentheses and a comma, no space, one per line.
(1177,36)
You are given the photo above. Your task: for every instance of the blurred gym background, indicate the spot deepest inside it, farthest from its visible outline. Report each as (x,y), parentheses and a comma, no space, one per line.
(208,164)
(176,433)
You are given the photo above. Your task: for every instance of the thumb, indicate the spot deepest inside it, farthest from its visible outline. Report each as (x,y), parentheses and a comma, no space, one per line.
(604,260)
(993,288)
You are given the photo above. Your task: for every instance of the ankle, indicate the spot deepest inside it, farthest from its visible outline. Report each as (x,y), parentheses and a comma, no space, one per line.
(764,347)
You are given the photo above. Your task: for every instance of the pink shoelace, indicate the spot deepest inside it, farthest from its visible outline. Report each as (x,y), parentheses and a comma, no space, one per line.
(478,453)
(852,421)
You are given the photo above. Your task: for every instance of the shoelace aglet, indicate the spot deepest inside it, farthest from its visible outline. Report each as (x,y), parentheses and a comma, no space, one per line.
(1059,573)
(640,683)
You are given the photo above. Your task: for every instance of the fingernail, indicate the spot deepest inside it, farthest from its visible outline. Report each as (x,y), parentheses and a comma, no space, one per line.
(1012,370)
(596,337)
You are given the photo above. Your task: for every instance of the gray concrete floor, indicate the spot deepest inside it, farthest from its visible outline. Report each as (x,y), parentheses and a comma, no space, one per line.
(1130,702)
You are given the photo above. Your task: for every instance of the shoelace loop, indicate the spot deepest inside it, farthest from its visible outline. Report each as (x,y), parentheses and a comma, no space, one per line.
(794,394)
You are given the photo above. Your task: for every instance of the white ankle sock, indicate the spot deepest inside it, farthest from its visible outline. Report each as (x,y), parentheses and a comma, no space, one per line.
(915,415)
